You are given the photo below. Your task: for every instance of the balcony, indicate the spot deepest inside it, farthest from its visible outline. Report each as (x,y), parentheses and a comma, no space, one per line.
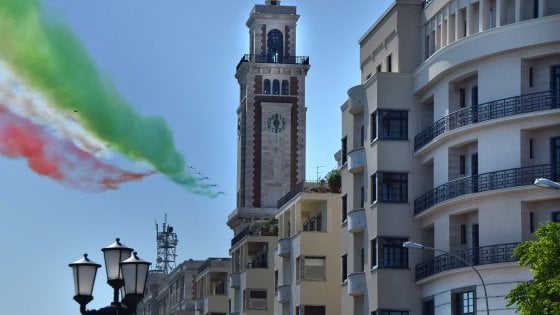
(287,60)
(199,304)
(356,220)
(305,186)
(356,283)
(285,247)
(509,178)
(506,107)
(254,230)
(284,293)
(493,254)
(356,100)
(356,160)
(235,280)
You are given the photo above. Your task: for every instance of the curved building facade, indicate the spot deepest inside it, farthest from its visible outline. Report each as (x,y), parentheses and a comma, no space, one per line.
(458,113)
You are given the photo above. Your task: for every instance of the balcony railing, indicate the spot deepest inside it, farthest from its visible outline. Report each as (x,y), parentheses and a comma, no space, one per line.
(305,186)
(485,182)
(426,3)
(487,111)
(476,256)
(290,60)
(255,229)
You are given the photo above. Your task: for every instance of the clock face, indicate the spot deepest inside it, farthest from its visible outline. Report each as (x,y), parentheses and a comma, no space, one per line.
(276,123)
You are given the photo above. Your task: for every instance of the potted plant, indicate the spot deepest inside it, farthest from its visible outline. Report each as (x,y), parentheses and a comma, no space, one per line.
(334,180)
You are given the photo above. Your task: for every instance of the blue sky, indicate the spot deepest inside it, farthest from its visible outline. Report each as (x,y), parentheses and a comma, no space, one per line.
(175,59)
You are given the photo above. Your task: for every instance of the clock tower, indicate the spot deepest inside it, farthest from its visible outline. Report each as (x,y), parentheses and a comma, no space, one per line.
(271,112)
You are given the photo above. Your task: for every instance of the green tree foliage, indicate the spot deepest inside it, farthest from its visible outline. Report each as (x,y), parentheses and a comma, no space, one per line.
(334,179)
(541,296)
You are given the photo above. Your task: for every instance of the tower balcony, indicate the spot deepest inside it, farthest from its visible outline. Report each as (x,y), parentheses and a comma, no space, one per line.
(356,99)
(286,60)
(284,247)
(508,178)
(496,109)
(356,220)
(235,280)
(356,159)
(493,254)
(356,283)
(284,293)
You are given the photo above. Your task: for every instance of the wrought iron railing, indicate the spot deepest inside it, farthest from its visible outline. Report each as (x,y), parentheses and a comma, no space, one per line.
(487,111)
(513,177)
(254,229)
(306,186)
(292,60)
(426,3)
(476,256)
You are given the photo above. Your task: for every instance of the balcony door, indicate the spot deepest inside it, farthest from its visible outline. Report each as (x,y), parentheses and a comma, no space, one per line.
(474,172)
(555,85)
(475,244)
(555,158)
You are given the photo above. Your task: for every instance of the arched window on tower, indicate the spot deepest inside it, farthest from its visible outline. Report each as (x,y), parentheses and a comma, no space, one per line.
(275,47)
(266,89)
(276,87)
(285,87)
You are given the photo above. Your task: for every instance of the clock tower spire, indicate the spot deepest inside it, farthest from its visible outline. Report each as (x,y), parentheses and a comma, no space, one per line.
(271,112)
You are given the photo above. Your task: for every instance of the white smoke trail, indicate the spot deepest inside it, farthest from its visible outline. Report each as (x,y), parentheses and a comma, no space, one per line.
(21,100)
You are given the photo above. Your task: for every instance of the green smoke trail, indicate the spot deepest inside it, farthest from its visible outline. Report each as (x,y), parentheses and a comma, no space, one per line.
(49,57)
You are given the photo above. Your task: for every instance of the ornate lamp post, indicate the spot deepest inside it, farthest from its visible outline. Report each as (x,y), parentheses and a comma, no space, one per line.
(125,272)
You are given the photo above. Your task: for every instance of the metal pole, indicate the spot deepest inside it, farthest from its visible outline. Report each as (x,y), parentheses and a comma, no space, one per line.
(470,265)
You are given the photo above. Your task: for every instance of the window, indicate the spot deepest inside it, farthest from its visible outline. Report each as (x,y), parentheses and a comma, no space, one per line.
(373,119)
(344,265)
(276,87)
(427,47)
(531,148)
(275,280)
(275,43)
(362,196)
(556,216)
(344,208)
(373,185)
(393,187)
(462,301)
(311,310)
(344,152)
(313,223)
(254,299)
(285,87)
(390,253)
(373,253)
(389,312)
(266,86)
(362,260)
(462,170)
(378,68)
(463,234)
(532,222)
(462,98)
(389,63)
(530,76)
(428,307)
(310,268)
(392,124)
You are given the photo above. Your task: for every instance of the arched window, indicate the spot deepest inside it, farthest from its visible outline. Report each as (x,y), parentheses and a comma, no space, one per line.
(275,46)
(266,89)
(276,87)
(285,87)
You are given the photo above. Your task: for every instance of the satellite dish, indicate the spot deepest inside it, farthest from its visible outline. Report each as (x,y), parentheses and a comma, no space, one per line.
(159,260)
(169,229)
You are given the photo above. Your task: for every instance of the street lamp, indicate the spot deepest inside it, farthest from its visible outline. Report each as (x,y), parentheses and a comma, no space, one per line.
(415,245)
(124,271)
(546,183)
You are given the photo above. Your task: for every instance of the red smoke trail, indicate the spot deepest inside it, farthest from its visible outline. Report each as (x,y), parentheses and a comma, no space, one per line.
(58,159)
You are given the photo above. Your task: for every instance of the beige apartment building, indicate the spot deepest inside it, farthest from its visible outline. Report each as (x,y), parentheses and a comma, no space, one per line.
(211,287)
(173,293)
(457,113)
(307,264)
(270,150)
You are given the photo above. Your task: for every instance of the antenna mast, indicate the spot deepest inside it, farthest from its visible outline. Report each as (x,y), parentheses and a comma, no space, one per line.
(166,246)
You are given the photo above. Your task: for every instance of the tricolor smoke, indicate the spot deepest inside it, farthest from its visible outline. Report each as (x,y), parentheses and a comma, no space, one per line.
(48,58)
